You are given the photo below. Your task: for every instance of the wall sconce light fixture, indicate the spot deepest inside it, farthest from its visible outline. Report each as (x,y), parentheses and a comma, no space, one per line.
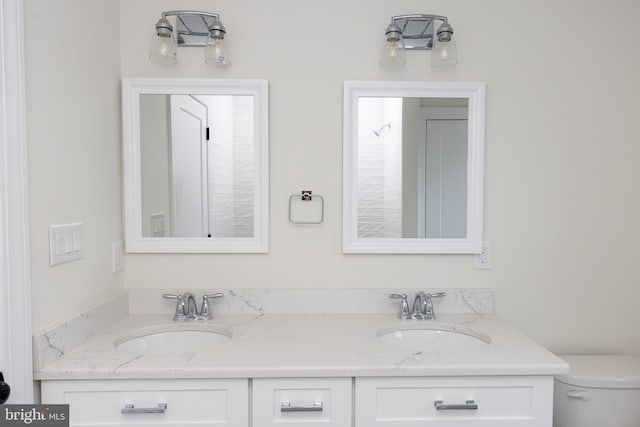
(194,28)
(419,32)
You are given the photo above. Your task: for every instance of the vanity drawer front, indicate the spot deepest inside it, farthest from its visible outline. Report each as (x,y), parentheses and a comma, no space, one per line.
(192,402)
(501,401)
(301,402)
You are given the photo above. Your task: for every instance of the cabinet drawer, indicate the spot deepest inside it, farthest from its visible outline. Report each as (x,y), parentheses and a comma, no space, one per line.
(300,402)
(411,401)
(192,402)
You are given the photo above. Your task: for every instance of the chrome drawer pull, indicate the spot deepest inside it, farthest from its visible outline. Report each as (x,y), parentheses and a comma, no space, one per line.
(286,407)
(131,409)
(440,406)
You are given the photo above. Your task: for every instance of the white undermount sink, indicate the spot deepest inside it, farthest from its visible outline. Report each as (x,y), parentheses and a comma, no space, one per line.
(433,336)
(163,340)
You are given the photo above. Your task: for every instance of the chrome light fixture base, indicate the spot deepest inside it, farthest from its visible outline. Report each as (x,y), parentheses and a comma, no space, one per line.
(192,29)
(419,32)
(193,26)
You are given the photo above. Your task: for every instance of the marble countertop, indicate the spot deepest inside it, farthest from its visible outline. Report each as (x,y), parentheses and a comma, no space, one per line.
(303,345)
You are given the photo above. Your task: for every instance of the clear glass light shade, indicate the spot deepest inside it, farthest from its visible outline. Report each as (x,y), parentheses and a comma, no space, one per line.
(444,53)
(393,55)
(163,49)
(215,53)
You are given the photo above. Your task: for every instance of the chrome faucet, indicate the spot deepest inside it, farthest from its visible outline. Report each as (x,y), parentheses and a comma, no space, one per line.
(192,309)
(422,305)
(187,309)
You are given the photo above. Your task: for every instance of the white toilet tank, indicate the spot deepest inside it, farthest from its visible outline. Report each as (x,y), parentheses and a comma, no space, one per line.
(600,391)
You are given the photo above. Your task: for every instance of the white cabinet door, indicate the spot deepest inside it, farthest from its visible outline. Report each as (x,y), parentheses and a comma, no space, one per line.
(454,402)
(301,402)
(188,402)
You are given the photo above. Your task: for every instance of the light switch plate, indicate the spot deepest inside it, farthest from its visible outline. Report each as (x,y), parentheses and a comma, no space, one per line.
(65,243)
(157,224)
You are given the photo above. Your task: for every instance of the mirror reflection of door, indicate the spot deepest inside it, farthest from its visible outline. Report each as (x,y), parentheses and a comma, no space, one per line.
(189,169)
(197,161)
(443,206)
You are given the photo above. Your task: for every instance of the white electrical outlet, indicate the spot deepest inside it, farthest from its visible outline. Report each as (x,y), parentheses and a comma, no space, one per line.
(482,261)
(117,256)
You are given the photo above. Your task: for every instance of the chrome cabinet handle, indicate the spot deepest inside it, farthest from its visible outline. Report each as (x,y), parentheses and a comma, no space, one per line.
(286,407)
(131,409)
(441,406)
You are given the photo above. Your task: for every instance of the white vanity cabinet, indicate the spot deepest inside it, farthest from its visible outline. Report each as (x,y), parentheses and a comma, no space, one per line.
(466,401)
(301,402)
(190,402)
(513,401)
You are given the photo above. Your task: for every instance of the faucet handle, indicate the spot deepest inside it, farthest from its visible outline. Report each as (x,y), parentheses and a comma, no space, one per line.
(181,309)
(205,311)
(404,305)
(428,312)
(437,295)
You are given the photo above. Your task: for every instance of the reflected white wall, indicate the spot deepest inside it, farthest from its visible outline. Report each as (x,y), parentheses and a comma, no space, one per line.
(231,167)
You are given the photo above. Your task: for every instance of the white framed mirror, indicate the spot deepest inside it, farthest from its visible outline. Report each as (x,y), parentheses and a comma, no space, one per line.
(413,167)
(196,163)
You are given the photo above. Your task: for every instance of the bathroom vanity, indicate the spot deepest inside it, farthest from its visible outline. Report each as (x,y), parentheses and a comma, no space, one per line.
(296,369)
(375,401)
